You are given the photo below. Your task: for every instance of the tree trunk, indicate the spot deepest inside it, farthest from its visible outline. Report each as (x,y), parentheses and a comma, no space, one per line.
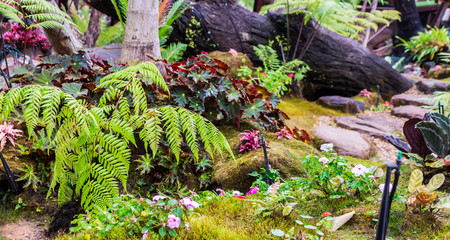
(408,27)
(339,66)
(63,42)
(94,28)
(141,31)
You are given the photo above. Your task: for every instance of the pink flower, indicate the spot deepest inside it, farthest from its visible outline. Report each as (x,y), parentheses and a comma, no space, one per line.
(221,192)
(189,203)
(203,52)
(173,221)
(233,52)
(253,190)
(264,74)
(241,197)
(291,75)
(365,93)
(158,197)
(438,67)
(283,133)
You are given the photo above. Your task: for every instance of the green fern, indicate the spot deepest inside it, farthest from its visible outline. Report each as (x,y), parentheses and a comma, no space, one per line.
(92,143)
(42,13)
(173,52)
(268,56)
(337,16)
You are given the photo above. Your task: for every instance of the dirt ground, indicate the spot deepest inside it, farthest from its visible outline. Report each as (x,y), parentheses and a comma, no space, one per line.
(23,230)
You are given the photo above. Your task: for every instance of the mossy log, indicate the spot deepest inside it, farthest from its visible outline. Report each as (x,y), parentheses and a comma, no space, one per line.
(340,66)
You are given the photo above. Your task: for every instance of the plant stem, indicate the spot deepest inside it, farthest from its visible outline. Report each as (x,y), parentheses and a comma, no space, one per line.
(298,39)
(287,28)
(308,43)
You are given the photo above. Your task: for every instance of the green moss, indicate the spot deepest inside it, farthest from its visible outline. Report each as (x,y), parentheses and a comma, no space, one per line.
(303,113)
(231,218)
(354,161)
(231,174)
(235,62)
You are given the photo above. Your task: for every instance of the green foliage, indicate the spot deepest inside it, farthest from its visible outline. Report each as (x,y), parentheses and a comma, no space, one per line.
(337,16)
(424,195)
(140,217)
(42,13)
(275,75)
(199,85)
(307,229)
(110,35)
(92,141)
(173,52)
(426,46)
(29,176)
(334,178)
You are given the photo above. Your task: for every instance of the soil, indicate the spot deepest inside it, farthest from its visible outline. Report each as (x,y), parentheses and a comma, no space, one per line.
(23,230)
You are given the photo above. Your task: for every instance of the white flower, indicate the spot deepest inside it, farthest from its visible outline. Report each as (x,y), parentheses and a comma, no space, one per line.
(341,179)
(324,160)
(236,193)
(359,170)
(381,187)
(158,197)
(327,147)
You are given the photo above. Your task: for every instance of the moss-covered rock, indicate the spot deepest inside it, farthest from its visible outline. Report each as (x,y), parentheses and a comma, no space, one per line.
(235,62)
(284,155)
(439,73)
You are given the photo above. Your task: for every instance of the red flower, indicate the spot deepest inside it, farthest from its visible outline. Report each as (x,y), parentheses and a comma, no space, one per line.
(326,214)
(241,197)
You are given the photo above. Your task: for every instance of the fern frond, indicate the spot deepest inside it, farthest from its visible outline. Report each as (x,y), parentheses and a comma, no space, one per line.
(173,52)
(173,129)
(152,131)
(190,130)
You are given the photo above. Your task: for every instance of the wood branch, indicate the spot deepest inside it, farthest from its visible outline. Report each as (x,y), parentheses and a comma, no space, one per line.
(340,66)
(94,28)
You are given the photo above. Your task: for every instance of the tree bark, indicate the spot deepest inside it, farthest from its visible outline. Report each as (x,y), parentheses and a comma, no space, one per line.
(63,42)
(94,28)
(339,66)
(408,27)
(141,31)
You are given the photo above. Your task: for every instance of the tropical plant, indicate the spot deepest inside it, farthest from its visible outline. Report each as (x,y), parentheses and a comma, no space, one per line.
(428,142)
(30,177)
(425,136)
(332,176)
(93,141)
(426,46)
(249,141)
(21,37)
(335,15)
(7,132)
(421,195)
(146,218)
(275,75)
(200,85)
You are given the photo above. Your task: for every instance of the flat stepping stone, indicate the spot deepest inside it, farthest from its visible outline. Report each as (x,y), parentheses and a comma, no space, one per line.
(409,111)
(411,99)
(344,104)
(374,126)
(430,86)
(346,142)
(111,51)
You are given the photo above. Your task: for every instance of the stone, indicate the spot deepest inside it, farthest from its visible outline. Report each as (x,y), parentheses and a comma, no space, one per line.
(344,104)
(409,111)
(346,142)
(411,99)
(341,220)
(374,126)
(439,73)
(106,52)
(430,86)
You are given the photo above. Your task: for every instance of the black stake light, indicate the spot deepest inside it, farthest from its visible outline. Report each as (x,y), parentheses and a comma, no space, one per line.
(266,160)
(386,201)
(9,175)
(378,95)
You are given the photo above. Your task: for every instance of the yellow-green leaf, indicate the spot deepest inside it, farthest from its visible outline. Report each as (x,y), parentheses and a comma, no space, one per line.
(435,182)
(415,180)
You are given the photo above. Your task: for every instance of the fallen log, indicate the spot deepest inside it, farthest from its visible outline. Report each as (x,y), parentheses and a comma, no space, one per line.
(340,66)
